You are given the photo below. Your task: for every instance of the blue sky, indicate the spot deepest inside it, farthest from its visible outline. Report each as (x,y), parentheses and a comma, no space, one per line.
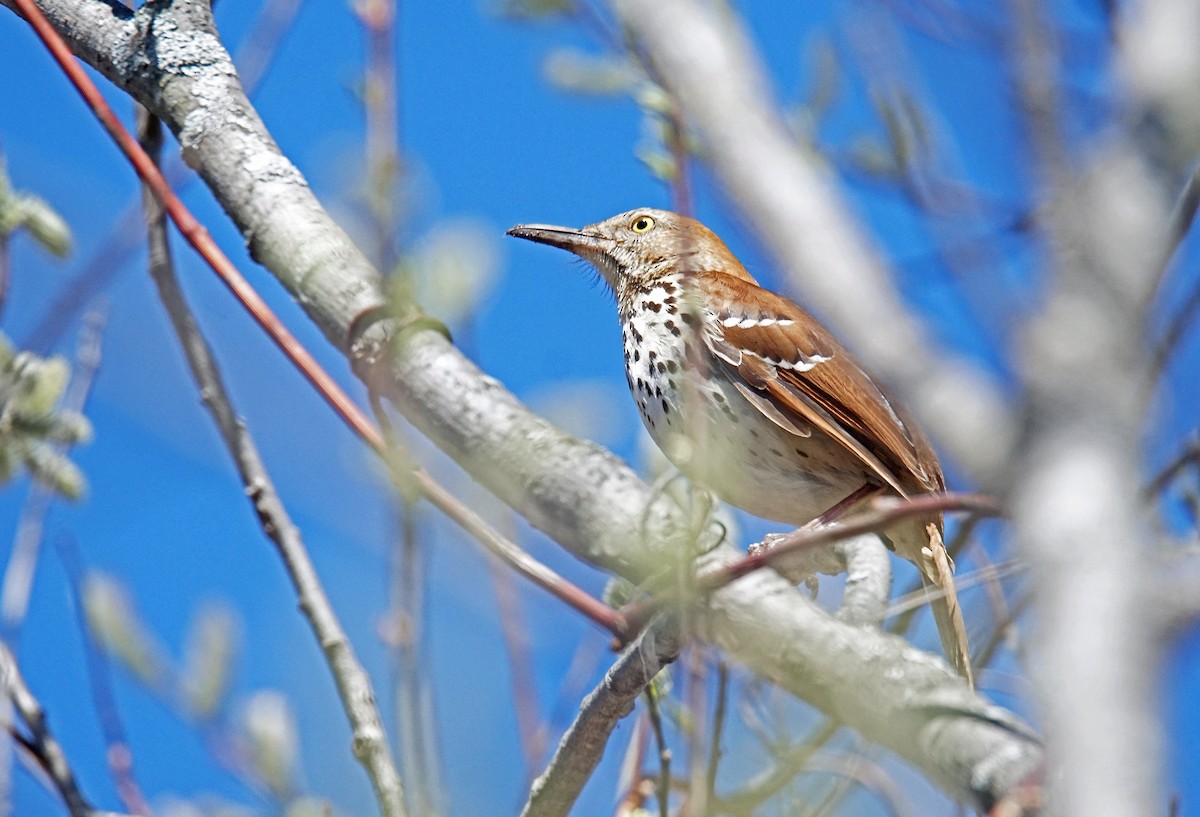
(486,139)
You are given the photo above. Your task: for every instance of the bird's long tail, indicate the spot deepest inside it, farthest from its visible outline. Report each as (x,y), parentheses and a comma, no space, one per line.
(936,570)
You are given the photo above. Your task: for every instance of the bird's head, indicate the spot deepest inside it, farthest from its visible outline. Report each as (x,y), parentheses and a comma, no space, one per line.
(637,248)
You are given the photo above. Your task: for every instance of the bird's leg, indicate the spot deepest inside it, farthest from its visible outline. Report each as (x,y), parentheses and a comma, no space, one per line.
(866,491)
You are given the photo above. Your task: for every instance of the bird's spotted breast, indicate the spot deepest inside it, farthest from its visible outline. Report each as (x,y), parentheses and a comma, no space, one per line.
(707,427)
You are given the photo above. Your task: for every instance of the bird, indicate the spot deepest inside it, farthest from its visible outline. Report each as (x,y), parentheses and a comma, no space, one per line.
(752,397)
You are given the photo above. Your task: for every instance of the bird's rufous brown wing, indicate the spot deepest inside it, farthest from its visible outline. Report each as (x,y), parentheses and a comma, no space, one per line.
(781,351)
(790,366)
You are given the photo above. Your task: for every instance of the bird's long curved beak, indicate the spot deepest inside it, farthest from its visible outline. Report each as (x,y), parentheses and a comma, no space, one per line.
(580,242)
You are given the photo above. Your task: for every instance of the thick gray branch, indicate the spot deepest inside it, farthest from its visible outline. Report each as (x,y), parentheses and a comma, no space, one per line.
(703,57)
(576,492)
(868,580)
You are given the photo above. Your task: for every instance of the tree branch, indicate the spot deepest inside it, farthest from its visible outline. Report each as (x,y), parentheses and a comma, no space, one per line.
(99,671)
(802,552)
(40,742)
(868,580)
(581,748)
(1076,504)
(370,743)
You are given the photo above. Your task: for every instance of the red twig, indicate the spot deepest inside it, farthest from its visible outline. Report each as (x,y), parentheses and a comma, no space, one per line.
(492,541)
(520,659)
(195,233)
(884,513)
(253,59)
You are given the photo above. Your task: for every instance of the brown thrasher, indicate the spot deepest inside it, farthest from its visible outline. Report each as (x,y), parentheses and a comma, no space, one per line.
(753,398)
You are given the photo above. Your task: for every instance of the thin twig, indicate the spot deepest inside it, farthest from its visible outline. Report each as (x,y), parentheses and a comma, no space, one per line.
(854,768)
(662,787)
(378,18)
(413,711)
(694,723)
(922,596)
(407,475)
(118,750)
(634,786)
(40,742)
(260,45)
(415,737)
(677,145)
(1189,454)
(718,728)
(984,655)
(518,559)
(370,743)
(1182,217)
(993,587)
(1177,328)
(580,750)
(788,764)
(5,271)
(520,661)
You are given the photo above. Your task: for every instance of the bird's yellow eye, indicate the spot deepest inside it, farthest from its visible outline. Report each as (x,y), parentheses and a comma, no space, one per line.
(642,224)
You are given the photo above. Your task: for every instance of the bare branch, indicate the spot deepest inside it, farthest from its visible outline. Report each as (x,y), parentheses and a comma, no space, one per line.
(1075,506)
(581,748)
(40,742)
(370,742)
(99,670)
